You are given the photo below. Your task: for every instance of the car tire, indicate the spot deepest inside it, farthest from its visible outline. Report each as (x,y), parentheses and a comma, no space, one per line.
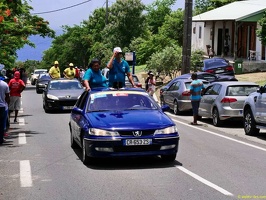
(46,109)
(215,118)
(176,109)
(249,123)
(85,159)
(74,144)
(168,158)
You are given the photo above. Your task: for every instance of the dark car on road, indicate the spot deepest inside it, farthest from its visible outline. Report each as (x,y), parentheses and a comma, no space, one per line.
(201,75)
(218,66)
(41,82)
(61,94)
(122,123)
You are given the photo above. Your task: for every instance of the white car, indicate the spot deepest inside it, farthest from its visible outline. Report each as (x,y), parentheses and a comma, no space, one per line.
(35,75)
(254,112)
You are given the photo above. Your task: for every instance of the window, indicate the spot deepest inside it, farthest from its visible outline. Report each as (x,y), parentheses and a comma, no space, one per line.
(200,29)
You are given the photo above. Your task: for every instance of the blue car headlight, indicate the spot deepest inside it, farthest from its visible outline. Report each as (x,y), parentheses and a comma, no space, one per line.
(49,96)
(100,132)
(168,130)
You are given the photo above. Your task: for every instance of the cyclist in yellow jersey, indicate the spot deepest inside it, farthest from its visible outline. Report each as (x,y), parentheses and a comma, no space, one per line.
(70,72)
(54,71)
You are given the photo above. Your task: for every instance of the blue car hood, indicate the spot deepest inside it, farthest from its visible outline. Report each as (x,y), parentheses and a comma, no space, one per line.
(129,120)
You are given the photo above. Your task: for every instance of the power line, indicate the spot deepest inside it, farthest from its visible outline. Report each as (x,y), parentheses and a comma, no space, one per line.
(62,8)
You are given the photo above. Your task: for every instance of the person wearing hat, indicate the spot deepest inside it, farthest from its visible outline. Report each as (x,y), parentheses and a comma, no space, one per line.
(118,69)
(4,101)
(93,77)
(70,72)
(54,71)
(151,84)
(16,86)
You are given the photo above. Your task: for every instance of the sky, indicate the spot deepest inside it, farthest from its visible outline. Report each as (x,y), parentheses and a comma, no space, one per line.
(68,14)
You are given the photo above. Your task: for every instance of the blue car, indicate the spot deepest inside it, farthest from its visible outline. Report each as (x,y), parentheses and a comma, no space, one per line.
(122,123)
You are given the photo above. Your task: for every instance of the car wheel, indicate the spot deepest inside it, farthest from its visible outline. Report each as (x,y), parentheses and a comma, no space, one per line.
(46,109)
(249,123)
(215,118)
(86,159)
(169,158)
(74,144)
(176,109)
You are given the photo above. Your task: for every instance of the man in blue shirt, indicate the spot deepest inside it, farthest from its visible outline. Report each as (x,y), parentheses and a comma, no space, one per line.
(118,69)
(196,88)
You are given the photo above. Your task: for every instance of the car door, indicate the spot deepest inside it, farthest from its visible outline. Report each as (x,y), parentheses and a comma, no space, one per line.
(208,99)
(170,94)
(260,106)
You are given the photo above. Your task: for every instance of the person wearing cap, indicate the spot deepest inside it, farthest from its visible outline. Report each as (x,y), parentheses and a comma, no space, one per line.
(70,72)
(151,84)
(16,86)
(118,69)
(93,77)
(4,101)
(54,71)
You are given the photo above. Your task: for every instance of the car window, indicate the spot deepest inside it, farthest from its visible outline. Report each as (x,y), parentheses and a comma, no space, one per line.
(174,86)
(119,101)
(65,85)
(213,90)
(217,63)
(82,100)
(241,90)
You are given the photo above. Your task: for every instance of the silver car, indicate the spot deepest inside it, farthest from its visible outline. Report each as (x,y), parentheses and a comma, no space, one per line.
(177,96)
(225,100)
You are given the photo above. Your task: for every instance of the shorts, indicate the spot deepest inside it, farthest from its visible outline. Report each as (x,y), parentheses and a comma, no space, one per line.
(15,103)
(195,107)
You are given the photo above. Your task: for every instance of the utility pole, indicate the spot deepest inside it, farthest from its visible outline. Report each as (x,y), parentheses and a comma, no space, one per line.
(186,51)
(106,12)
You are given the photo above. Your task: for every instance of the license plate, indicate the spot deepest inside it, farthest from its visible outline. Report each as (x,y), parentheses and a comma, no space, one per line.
(136,142)
(67,107)
(219,71)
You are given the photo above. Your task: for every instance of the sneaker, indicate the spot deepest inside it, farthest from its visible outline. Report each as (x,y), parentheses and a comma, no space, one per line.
(15,121)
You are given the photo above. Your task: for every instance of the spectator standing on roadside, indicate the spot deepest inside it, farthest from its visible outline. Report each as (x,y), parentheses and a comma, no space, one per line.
(16,86)
(147,81)
(54,71)
(4,101)
(69,72)
(93,77)
(118,69)
(77,71)
(151,84)
(81,74)
(196,87)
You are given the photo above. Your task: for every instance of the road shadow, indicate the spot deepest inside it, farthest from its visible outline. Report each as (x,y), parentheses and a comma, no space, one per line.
(232,123)
(128,163)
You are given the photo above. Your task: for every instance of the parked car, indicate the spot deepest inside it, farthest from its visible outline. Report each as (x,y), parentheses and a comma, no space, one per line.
(61,94)
(177,96)
(218,66)
(254,112)
(35,74)
(224,100)
(41,82)
(105,73)
(201,75)
(122,123)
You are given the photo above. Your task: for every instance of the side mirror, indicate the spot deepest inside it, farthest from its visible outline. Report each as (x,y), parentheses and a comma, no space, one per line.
(76,110)
(165,107)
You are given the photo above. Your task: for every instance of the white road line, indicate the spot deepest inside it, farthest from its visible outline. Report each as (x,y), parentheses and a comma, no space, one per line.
(208,183)
(222,136)
(21,121)
(25,174)
(22,138)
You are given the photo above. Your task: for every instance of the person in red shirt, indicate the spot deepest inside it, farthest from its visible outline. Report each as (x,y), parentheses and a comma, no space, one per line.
(16,86)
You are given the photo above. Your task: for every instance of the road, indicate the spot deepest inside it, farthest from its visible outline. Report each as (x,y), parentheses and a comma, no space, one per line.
(212,163)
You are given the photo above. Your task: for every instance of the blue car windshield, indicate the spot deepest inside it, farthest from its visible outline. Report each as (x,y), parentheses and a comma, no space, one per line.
(120,100)
(65,85)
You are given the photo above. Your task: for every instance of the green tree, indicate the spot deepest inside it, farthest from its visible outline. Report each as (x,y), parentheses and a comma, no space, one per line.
(261,32)
(16,25)
(157,12)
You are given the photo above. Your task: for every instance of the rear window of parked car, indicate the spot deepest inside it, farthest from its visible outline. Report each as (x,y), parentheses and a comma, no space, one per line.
(217,63)
(243,90)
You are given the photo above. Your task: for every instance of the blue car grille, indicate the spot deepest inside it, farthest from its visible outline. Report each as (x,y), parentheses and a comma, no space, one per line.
(130,133)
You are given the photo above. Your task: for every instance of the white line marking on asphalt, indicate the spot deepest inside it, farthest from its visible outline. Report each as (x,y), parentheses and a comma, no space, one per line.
(208,183)
(25,174)
(21,121)
(22,138)
(225,137)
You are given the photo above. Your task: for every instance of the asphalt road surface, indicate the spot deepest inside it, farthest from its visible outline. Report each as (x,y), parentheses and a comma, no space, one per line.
(38,163)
